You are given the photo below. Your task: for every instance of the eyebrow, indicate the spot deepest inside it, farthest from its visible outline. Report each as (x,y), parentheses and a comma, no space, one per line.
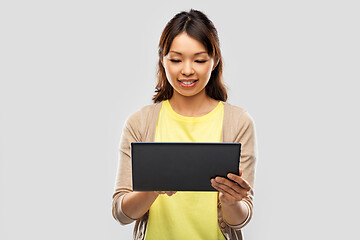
(194,54)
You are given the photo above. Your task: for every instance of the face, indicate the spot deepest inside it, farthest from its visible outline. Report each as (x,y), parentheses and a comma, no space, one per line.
(188,66)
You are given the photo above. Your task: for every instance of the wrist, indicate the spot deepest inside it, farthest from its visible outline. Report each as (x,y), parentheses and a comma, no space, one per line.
(230,204)
(235,214)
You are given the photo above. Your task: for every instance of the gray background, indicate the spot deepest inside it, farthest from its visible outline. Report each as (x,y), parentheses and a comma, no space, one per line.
(72,71)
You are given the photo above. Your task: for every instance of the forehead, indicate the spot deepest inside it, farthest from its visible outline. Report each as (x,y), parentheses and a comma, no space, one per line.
(185,45)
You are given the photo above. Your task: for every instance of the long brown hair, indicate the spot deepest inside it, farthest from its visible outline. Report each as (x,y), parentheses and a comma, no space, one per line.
(198,26)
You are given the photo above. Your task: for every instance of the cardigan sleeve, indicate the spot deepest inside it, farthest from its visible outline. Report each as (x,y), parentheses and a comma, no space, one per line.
(245,134)
(123,182)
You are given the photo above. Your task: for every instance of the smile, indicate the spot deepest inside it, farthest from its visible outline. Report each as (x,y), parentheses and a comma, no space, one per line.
(187,83)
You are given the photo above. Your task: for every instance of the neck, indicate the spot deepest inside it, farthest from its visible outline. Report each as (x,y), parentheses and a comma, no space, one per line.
(193,106)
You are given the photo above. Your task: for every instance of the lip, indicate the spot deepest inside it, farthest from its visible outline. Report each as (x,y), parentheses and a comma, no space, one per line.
(188,80)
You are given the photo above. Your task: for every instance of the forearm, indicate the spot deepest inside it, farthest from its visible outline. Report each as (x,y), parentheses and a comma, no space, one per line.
(235,214)
(136,204)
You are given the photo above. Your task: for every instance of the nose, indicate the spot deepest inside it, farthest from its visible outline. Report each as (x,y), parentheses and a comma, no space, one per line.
(187,68)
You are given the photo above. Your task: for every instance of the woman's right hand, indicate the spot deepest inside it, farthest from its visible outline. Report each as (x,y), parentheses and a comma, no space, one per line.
(169,193)
(136,204)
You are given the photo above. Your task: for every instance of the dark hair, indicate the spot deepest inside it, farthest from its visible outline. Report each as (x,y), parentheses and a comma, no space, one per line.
(197,25)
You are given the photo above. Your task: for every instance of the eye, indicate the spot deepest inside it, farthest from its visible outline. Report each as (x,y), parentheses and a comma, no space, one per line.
(175,60)
(201,61)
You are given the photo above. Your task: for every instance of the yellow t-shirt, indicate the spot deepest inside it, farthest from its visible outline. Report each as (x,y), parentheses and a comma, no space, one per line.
(186,215)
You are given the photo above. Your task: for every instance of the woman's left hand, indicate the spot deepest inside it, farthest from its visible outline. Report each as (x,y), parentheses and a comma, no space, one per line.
(230,192)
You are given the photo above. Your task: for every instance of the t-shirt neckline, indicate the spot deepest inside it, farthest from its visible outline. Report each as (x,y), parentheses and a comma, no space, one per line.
(191,119)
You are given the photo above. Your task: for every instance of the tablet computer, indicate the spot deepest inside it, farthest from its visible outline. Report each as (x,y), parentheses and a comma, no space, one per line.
(181,166)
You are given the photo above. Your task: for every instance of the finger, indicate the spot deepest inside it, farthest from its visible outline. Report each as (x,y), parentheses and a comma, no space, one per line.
(240,172)
(229,191)
(236,187)
(239,194)
(239,180)
(226,194)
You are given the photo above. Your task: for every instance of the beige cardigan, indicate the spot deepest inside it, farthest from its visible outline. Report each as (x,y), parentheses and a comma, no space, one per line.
(238,126)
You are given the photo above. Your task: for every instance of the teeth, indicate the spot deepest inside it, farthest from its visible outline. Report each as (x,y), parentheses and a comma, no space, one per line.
(187,83)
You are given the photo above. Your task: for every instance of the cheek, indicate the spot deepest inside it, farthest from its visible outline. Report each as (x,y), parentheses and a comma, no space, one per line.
(205,71)
(171,72)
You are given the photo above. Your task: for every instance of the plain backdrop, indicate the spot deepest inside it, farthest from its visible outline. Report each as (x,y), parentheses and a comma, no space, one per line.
(72,71)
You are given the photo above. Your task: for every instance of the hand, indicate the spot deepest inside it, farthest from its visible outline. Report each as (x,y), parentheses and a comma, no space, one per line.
(230,192)
(169,193)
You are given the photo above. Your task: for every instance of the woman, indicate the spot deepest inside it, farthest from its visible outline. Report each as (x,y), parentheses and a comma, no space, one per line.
(189,106)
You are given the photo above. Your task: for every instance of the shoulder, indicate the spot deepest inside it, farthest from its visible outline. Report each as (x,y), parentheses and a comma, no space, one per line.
(236,114)
(144,113)
(240,126)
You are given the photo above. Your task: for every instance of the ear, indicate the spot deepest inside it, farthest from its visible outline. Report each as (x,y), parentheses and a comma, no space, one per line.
(215,64)
(162,61)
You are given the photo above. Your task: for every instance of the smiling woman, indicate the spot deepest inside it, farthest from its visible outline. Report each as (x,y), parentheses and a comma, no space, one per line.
(188,66)
(189,106)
